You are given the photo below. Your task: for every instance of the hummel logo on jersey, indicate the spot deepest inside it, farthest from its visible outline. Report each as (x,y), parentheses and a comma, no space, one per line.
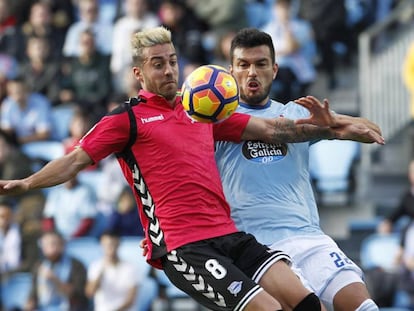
(235,287)
(152,119)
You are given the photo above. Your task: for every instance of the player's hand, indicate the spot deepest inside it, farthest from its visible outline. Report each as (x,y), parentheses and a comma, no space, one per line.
(359,132)
(13,187)
(320,114)
(144,245)
(343,120)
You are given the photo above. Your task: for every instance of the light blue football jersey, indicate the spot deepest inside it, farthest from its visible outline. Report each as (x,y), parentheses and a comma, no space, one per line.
(268,185)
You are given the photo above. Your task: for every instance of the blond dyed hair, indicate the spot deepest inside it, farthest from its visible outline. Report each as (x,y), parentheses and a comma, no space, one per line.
(148,38)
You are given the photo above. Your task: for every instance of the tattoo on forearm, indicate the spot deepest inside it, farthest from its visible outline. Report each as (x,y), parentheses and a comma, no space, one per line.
(287,131)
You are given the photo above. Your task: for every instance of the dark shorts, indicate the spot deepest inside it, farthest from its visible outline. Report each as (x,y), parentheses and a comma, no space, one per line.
(221,273)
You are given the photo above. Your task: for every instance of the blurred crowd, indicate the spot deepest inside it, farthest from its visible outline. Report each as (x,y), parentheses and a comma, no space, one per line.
(76,55)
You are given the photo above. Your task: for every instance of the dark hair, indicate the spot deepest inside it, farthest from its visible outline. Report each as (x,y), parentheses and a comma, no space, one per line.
(284,2)
(88,31)
(7,203)
(250,38)
(10,138)
(110,233)
(55,233)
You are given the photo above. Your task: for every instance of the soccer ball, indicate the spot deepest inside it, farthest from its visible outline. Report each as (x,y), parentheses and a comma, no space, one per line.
(210,94)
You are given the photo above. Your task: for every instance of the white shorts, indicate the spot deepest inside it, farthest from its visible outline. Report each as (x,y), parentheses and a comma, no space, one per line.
(321,264)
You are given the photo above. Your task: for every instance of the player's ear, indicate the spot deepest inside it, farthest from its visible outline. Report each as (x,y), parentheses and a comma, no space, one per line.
(231,69)
(137,73)
(275,70)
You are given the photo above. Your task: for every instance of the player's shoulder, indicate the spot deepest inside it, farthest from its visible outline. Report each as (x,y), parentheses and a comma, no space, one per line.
(125,106)
(294,110)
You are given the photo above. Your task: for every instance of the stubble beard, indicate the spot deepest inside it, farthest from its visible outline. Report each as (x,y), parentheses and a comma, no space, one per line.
(255,99)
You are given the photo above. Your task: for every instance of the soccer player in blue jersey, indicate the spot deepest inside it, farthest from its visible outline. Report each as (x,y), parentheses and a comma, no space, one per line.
(268,185)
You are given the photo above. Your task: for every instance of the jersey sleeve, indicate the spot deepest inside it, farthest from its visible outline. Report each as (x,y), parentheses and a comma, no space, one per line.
(232,128)
(109,135)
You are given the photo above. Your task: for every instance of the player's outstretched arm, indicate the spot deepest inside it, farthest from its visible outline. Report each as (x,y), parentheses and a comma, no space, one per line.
(345,127)
(322,124)
(342,119)
(360,132)
(283,130)
(54,173)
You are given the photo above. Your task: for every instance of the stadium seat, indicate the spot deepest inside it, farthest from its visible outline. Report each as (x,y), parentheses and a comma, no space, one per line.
(15,291)
(99,225)
(380,250)
(43,150)
(129,250)
(61,118)
(91,178)
(362,228)
(85,249)
(402,301)
(148,292)
(330,165)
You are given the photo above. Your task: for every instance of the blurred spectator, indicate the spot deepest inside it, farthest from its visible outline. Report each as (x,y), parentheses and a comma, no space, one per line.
(79,126)
(58,280)
(40,71)
(10,239)
(258,12)
(111,185)
(40,24)
(25,115)
(408,75)
(112,282)
(15,165)
(29,214)
(222,51)
(124,220)
(295,52)
(109,10)
(405,208)
(129,86)
(188,69)
(112,182)
(8,29)
(89,19)
(9,68)
(86,79)
(328,19)
(70,209)
(221,16)
(62,12)
(136,16)
(360,14)
(187,34)
(405,287)
(115,100)
(28,208)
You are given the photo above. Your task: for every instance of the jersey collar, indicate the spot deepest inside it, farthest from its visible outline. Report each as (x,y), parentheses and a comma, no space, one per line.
(244,105)
(155,97)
